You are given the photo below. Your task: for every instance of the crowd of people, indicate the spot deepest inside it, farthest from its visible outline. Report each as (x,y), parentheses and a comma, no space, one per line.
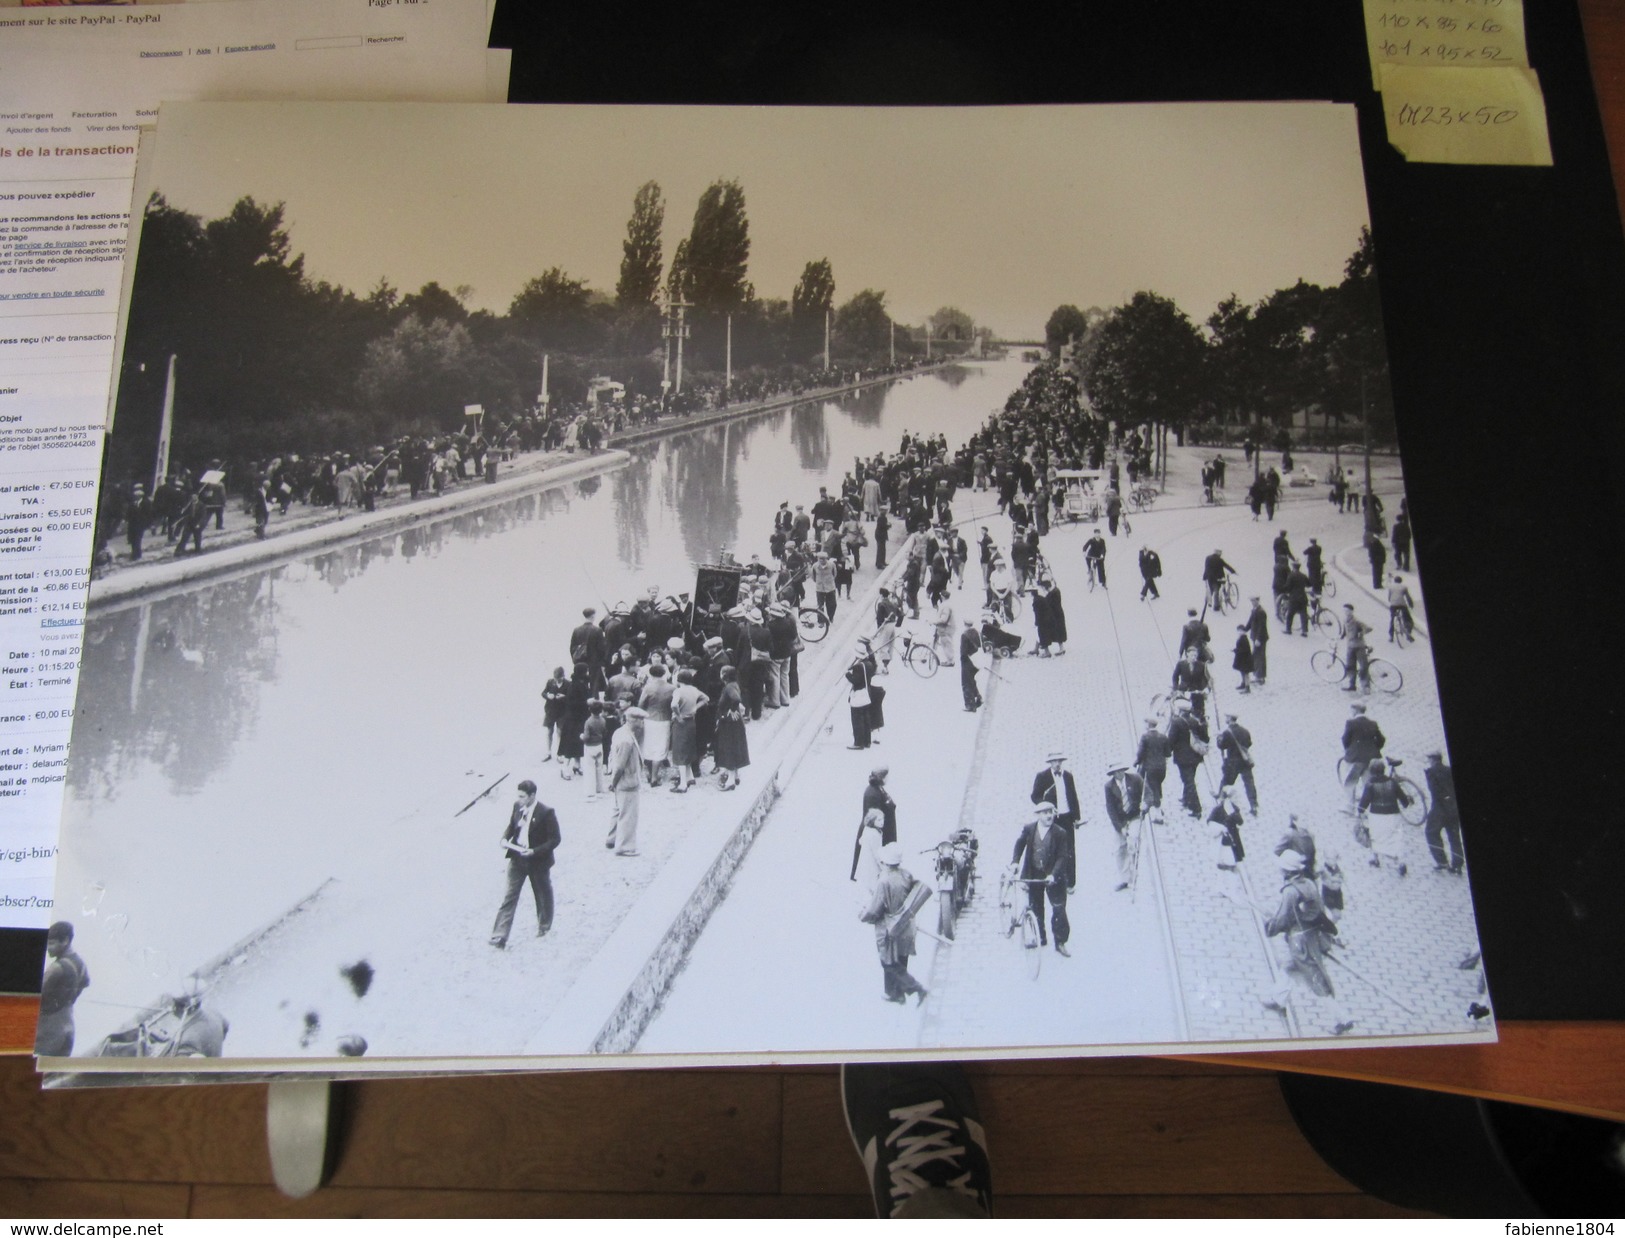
(183,506)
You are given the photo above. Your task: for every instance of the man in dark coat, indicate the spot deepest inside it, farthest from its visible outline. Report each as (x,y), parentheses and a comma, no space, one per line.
(970,647)
(1258,631)
(1040,857)
(587,641)
(1125,796)
(1187,736)
(1312,565)
(1151,760)
(1236,747)
(1363,741)
(531,860)
(1443,831)
(1054,784)
(1150,569)
(1378,554)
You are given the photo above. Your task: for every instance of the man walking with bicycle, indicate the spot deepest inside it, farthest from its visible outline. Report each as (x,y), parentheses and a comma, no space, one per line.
(1400,620)
(1039,859)
(1214,572)
(1356,651)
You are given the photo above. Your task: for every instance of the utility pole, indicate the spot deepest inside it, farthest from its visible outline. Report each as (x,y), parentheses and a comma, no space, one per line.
(728,365)
(826,339)
(674,327)
(928,339)
(893,327)
(165,428)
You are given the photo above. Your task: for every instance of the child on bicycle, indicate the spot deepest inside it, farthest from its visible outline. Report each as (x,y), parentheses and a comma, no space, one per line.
(1399,608)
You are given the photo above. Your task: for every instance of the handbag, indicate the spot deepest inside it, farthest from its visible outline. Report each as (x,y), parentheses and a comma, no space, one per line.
(1362,834)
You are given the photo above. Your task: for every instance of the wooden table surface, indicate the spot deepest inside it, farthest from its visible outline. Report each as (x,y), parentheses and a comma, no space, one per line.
(1575,1066)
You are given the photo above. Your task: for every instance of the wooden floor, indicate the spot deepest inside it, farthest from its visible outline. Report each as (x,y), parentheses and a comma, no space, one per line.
(1110,1137)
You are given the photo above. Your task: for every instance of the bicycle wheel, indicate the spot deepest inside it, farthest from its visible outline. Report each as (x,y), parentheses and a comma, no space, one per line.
(1328,665)
(1013,606)
(1416,811)
(1232,594)
(1283,605)
(1400,632)
(923,661)
(1343,768)
(1386,677)
(1328,587)
(1029,943)
(814,624)
(1329,625)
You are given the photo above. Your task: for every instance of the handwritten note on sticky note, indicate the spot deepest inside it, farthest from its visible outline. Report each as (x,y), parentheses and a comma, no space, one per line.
(1433,34)
(1466,115)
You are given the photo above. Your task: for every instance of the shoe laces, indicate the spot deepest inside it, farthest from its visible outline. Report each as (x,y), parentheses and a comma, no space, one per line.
(926,1140)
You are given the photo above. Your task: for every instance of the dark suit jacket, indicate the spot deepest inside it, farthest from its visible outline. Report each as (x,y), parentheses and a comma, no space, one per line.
(1066,811)
(1040,858)
(542,836)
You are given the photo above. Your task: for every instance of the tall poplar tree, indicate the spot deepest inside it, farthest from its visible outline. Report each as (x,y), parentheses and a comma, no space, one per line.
(640,252)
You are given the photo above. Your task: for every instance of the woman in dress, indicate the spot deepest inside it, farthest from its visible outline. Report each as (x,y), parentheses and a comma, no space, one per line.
(860,695)
(574,718)
(655,700)
(686,702)
(733,749)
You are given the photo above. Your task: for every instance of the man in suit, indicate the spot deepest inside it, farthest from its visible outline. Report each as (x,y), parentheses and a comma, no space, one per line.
(1363,743)
(528,859)
(1125,798)
(970,648)
(1054,784)
(626,782)
(1040,857)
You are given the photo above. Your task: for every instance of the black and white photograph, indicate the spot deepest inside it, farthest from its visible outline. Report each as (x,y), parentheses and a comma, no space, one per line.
(615,585)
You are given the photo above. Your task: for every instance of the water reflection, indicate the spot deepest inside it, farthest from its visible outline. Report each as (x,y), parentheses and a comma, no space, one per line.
(372,641)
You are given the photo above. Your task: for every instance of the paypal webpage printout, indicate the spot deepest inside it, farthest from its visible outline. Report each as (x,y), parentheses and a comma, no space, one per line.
(76,87)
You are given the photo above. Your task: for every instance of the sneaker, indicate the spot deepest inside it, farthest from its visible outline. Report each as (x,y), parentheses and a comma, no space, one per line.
(916,1127)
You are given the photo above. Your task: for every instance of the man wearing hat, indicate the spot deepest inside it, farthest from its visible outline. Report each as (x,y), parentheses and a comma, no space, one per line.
(137,519)
(1151,759)
(1125,797)
(1236,750)
(1300,917)
(1363,741)
(1258,630)
(898,895)
(1040,858)
(970,648)
(1443,831)
(1055,785)
(1356,652)
(626,782)
(1187,742)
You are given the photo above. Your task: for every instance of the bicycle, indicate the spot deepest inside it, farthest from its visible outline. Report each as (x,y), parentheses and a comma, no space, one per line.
(1019,916)
(1096,573)
(1330,665)
(1226,595)
(1415,812)
(1401,627)
(812,623)
(1141,497)
(1324,621)
(1007,605)
(919,655)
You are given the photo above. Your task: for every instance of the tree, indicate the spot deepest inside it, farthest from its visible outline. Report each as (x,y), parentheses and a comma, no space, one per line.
(421,374)
(432,302)
(1356,356)
(863,326)
(553,310)
(1066,323)
(718,250)
(814,296)
(1147,363)
(950,323)
(640,252)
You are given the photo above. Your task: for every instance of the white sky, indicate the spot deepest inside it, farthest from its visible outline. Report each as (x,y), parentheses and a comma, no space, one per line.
(1004,212)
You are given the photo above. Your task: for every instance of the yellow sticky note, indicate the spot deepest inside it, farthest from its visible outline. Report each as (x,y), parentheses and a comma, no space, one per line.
(1444,34)
(1466,115)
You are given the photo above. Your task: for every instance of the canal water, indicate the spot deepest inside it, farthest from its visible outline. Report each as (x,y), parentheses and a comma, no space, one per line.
(247,740)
